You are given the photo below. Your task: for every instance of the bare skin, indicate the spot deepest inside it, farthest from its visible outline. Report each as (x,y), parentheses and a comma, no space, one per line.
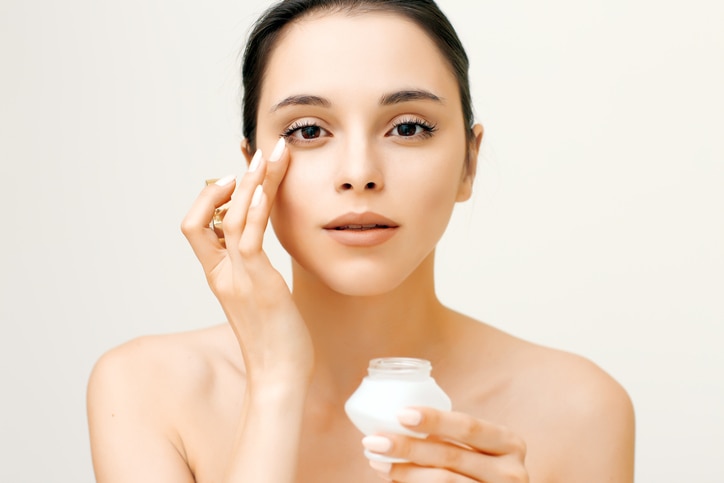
(576,421)
(261,398)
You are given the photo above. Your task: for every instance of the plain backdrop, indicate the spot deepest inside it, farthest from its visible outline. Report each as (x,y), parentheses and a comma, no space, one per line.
(597,225)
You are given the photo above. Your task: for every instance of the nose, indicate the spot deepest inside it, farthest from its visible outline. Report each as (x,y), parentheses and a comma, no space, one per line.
(359,169)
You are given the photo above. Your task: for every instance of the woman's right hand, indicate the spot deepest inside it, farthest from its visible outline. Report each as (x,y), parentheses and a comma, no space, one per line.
(274,339)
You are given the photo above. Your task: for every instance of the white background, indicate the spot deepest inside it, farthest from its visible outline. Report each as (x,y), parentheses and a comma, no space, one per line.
(597,225)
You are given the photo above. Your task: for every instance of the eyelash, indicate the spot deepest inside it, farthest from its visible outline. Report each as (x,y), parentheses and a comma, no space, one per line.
(428,129)
(288,132)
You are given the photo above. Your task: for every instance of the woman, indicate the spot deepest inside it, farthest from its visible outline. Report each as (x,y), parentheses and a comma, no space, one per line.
(364,110)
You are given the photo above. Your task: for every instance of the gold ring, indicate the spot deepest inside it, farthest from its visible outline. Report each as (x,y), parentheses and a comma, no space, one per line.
(218,217)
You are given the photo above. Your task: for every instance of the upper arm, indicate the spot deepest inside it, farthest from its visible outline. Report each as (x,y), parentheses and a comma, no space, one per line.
(130,438)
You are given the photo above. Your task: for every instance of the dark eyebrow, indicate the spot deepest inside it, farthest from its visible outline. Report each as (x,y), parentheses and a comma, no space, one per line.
(407,96)
(386,100)
(302,100)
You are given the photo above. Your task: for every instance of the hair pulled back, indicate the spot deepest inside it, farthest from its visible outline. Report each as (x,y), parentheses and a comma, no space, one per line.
(425,13)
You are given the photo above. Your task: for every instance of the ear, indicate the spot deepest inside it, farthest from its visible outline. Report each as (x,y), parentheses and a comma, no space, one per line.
(465,190)
(246,150)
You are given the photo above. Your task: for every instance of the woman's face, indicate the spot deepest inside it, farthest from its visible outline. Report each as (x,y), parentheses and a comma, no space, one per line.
(372,116)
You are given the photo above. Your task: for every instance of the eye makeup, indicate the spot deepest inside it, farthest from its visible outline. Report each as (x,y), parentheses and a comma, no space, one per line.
(406,128)
(303,131)
(412,128)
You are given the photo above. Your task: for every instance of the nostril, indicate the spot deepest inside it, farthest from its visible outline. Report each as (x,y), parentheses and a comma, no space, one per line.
(371,186)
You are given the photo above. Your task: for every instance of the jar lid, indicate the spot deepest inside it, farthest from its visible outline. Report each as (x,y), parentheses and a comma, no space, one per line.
(399,367)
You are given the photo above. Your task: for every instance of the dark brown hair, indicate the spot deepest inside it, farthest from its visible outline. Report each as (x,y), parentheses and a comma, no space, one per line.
(425,13)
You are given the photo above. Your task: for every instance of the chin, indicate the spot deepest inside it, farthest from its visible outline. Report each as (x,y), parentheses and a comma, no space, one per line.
(362,288)
(362,278)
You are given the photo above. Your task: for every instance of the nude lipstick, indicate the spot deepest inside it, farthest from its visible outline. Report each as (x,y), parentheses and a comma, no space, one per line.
(366,229)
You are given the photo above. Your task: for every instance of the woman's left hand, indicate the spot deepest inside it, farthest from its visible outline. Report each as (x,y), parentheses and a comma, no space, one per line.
(459,448)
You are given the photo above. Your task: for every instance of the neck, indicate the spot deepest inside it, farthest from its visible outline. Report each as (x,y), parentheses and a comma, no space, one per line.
(348,331)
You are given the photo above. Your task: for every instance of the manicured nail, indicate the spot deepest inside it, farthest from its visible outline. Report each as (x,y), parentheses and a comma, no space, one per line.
(383,469)
(255,161)
(381,466)
(278,150)
(377,444)
(409,417)
(256,197)
(225,180)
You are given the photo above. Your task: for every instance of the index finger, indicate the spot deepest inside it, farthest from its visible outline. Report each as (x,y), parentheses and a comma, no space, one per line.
(276,168)
(237,225)
(480,435)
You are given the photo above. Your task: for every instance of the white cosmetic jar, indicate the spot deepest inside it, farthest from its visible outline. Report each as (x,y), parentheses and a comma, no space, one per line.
(392,384)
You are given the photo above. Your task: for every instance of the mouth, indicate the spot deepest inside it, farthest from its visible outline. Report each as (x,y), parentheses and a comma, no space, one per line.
(373,226)
(360,222)
(361,229)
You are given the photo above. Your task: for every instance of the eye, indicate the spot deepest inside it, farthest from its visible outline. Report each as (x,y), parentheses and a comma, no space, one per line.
(408,129)
(304,131)
(412,129)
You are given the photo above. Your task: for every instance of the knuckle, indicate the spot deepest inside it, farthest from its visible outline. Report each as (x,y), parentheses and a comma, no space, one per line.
(469,428)
(187,226)
(228,227)
(518,445)
(402,447)
(516,475)
(410,448)
(246,250)
(522,447)
(447,477)
(453,456)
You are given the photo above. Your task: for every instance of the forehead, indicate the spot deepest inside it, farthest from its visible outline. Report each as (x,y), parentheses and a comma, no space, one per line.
(339,54)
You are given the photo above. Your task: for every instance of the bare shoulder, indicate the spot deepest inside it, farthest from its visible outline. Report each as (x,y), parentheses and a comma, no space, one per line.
(139,395)
(564,405)
(529,366)
(591,416)
(575,382)
(164,364)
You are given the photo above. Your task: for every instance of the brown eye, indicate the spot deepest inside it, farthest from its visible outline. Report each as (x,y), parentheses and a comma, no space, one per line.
(304,132)
(310,132)
(412,129)
(407,129)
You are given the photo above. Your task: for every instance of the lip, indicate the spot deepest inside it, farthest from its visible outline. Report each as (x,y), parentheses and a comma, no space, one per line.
(361,229)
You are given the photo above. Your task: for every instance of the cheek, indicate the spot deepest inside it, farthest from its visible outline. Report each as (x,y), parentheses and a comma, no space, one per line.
(432,179)
(295,204)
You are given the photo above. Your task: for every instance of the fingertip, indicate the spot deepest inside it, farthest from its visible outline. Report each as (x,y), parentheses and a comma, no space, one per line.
(409,417)
(276,154)
(383,468)
(255,161)
(226,180)
(256,197)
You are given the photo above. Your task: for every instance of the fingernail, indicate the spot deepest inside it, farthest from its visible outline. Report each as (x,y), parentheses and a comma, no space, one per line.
(225,180)
(381,466)
(409,417)
(256,197)
(255,161)
(377,444)
(278,150)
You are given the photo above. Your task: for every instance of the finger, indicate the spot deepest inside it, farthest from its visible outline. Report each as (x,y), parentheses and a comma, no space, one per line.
(195,225)
(235,218)
(408,473)
(276,169)
(252,238)
(481,435)
(434,454)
